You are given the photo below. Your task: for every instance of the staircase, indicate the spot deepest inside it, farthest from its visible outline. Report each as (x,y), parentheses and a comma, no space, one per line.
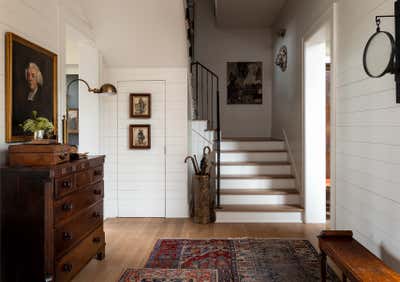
(253,177)
(256,183)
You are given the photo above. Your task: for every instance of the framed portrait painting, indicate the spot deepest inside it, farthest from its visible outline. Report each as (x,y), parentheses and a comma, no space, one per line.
(140,105)
(31,85)
(139,136)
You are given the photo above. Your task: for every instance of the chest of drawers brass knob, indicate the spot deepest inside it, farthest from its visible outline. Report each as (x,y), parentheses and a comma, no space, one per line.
(97,192)
(67,267)
(96,215)
(66,184)
(67,236)
(67,207)
(96,240)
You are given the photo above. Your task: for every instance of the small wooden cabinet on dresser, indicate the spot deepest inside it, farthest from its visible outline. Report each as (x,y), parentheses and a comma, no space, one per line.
(51,220)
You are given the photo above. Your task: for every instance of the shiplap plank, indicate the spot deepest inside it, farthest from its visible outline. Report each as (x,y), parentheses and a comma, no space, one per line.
(387,135)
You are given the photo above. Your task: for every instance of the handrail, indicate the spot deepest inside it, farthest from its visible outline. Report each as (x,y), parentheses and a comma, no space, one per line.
(205,107)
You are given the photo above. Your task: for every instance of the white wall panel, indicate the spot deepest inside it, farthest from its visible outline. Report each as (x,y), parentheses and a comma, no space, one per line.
(368,132)
(39,21)
(144,180)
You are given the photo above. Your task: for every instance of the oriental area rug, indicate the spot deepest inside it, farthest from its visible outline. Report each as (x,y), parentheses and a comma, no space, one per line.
(244,260)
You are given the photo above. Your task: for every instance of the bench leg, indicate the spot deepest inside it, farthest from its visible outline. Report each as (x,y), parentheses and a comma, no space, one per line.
(323,266)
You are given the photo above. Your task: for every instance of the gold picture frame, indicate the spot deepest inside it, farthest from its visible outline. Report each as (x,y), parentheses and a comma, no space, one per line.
(22,56)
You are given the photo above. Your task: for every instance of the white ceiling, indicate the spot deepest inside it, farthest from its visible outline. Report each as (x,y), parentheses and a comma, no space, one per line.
(247,13)
(139,33)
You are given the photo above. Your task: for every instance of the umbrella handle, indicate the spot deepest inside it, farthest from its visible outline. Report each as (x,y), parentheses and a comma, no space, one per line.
(193,163)
(205,149)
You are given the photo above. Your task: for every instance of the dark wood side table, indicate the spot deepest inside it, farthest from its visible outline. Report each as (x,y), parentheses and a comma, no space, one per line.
(354,260)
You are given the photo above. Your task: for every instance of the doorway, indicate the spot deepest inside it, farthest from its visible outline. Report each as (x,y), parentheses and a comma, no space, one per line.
(317,125)
(141,174)
(81,107)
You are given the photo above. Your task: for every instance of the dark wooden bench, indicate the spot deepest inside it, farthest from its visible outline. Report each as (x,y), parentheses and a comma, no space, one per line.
(354,260)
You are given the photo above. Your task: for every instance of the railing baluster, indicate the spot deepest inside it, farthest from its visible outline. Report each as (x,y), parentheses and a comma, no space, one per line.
(205,109)
(197,92)
(208,107)
(212,101)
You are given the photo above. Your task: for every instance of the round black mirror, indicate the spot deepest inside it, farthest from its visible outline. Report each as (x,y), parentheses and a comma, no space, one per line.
(379,54)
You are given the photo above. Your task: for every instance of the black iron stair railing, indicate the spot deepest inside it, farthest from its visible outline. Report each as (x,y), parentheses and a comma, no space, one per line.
(206,106)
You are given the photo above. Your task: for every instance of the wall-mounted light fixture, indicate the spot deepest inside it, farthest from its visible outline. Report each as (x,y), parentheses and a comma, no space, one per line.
(382,52)
(105,90)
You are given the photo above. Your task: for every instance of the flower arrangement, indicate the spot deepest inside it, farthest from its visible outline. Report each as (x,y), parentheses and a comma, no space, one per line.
(37,124)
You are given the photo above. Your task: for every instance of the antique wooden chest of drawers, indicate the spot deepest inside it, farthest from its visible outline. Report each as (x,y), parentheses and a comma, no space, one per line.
(51,220)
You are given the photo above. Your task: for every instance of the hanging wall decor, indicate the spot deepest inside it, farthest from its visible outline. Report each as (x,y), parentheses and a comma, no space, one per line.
(281,58)
(140,136)
(140,105)
(382,52)
(31,85)
(244,81)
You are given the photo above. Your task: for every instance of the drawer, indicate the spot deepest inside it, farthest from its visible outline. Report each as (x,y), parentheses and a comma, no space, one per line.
(84,178)
(97,173)
(64,185)
(70,233)
(64,169)
(76,202)
(69,265)
(83,165)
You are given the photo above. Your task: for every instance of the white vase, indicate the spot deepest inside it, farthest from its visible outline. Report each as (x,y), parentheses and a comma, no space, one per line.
(38,135)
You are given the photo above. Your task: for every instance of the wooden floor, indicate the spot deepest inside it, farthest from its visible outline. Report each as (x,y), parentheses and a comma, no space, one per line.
(130,241)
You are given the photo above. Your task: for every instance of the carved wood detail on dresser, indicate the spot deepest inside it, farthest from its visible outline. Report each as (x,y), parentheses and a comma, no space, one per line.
(51,220)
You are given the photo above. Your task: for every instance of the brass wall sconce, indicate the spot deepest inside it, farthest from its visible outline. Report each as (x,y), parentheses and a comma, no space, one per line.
(105,90)
(382,52)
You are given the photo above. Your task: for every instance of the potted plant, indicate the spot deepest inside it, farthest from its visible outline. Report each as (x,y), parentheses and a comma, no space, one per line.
(39,126)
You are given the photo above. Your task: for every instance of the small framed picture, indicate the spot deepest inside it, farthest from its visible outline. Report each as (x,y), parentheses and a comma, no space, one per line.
(140,105)
(73,120)
(140,136)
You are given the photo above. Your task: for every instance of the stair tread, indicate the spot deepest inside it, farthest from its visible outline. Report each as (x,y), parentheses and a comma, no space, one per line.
(260,176)
(251,139)
(253,151)
(260,208)
(271,163)
(273,191)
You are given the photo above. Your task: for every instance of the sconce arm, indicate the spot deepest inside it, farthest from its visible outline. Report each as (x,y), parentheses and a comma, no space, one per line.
(84,81)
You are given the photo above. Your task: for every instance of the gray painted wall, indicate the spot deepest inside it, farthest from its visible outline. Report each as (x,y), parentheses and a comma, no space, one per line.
(214,47)
(296,17)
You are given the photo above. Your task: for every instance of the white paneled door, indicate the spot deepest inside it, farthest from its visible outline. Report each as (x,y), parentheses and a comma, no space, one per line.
(141,173)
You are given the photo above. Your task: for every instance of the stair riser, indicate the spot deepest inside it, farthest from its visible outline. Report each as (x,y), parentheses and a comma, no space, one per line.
(254,157)
(259,217)
(254,146)
(257,183)
(256,170)
(260,199)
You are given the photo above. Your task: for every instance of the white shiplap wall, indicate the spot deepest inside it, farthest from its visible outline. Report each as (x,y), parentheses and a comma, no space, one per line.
(37,25)
(368,136)
(42,22)
(176,136)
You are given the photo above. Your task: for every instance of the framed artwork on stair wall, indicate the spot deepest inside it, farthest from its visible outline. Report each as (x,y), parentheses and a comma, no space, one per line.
(244,83)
